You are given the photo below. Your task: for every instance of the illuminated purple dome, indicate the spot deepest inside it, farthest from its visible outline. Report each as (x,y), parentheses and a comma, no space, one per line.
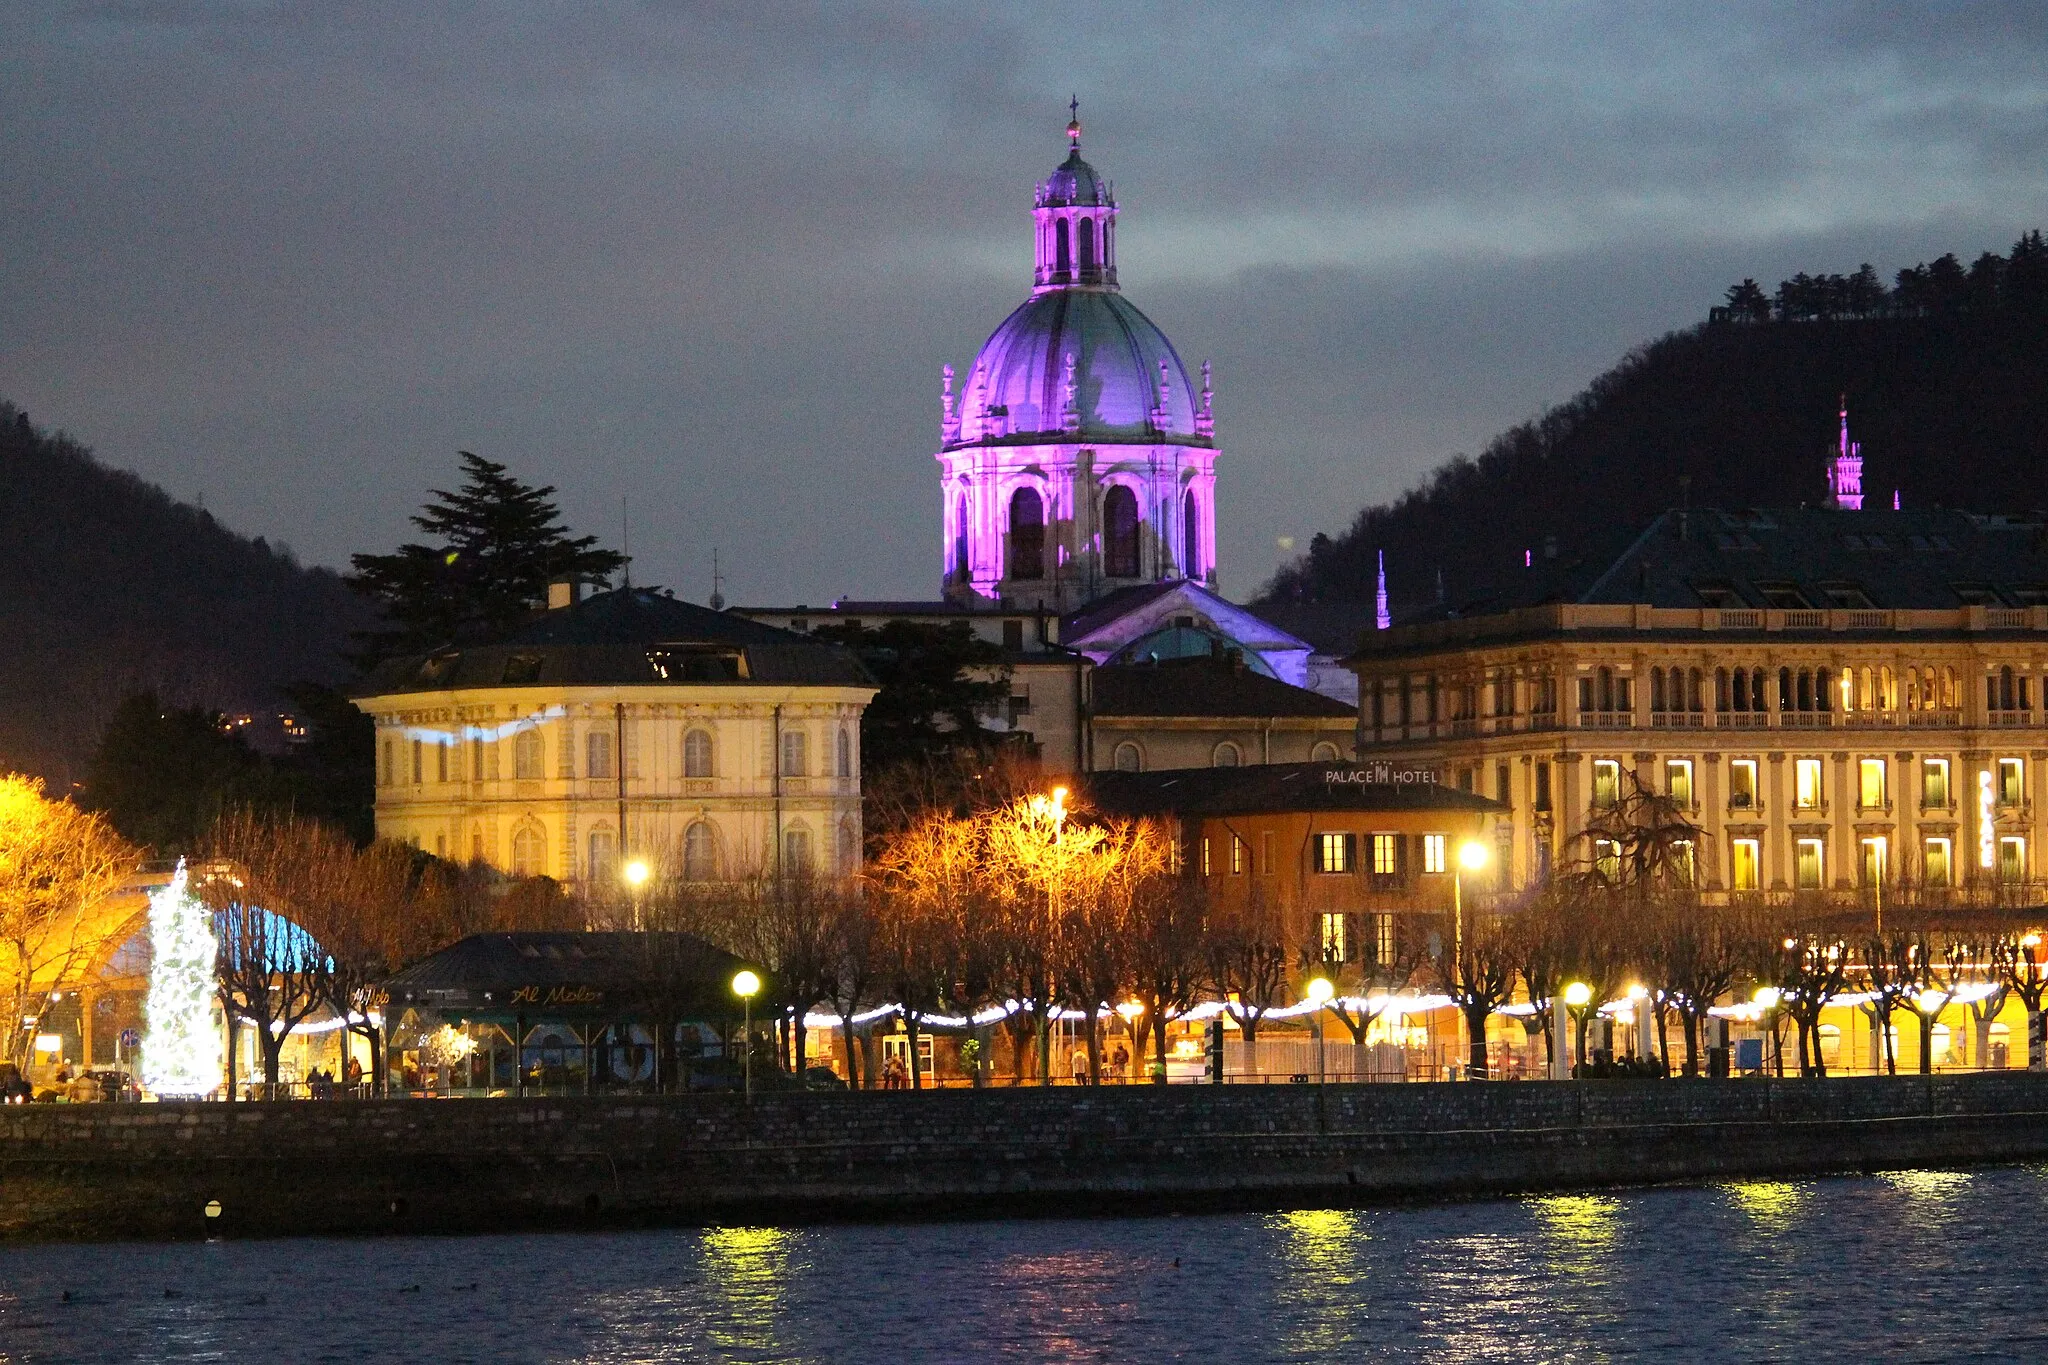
(1018,386)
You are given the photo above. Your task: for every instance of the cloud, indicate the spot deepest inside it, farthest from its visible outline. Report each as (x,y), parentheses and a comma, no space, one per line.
(709,258)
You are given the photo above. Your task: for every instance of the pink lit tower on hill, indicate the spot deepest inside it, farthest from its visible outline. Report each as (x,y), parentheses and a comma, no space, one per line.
(1845,471)
(1077,458)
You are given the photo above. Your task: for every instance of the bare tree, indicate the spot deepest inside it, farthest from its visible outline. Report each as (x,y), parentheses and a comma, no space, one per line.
(58,864)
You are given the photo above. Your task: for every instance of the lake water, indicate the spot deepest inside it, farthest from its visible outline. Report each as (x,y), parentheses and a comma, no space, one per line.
(1921,1265)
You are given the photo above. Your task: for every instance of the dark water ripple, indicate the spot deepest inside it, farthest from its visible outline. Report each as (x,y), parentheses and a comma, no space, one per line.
(1915,1266)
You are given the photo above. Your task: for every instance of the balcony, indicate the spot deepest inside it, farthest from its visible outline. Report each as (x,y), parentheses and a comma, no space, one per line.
(1678,720)
(1606,720)
(2010,720)
(1934,720)
(1742,720)
(1807,720)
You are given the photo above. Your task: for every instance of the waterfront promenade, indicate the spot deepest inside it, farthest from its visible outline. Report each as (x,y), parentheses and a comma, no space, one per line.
(153,1171)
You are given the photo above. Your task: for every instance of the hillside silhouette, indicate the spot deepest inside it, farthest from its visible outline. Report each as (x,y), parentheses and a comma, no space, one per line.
(108,586)
(1943,373)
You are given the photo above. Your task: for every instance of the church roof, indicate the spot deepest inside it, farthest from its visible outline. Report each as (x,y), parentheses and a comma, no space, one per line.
(1206,687)
(625,637)
(1021,375)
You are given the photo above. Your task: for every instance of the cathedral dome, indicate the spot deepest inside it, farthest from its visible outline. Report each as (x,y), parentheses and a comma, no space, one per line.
(1017,390)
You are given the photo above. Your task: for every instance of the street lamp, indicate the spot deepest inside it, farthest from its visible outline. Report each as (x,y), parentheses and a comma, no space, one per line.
(1768,999)
(1051,810)
(1320,993)
(635,875)
(1130,1011)
(744,985)
(1577,995)
(1471,857)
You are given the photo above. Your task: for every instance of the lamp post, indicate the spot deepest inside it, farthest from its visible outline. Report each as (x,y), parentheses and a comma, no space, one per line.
(1130,1011)
(1767,999)
(1320,993)
(1053,811)
(1577,995)
(1471,857)
(744,985)
(635,874)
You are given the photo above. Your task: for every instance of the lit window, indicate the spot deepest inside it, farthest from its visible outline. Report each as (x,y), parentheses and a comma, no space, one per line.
(1386,855)
(2012,860)
(1874,861)
(1607,859)
(1678,780)
(1684,864)
(1434,852)
(1205,855)
(1236,856)
(1743,869)
(1383,939)
(1935,862)
(1870,786)
(1806,783)
(1606,783)
(2012,784)
(1333,853)
(1934,783)
(1742,784)
(1811,865)
(1333,938)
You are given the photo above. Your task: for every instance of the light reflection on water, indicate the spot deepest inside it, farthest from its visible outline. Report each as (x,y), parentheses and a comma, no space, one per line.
(1920,1265)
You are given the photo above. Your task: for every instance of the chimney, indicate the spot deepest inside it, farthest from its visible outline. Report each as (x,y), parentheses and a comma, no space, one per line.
(564,593)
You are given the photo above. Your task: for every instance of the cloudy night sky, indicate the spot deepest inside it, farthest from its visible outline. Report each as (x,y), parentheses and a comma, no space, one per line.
(709,259)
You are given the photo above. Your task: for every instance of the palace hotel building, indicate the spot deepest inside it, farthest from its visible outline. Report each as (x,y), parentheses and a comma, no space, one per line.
(1838,698)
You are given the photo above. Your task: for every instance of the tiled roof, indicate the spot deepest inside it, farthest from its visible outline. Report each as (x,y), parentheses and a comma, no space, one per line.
(1205,687)
(1926,559)
(629,636)
(1278,788)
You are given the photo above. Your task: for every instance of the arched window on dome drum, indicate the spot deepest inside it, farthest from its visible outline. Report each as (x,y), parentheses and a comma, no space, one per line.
(1120,533)
(961,571)
(1190,535)
(1027,535)
(1087,247)
(1062,258)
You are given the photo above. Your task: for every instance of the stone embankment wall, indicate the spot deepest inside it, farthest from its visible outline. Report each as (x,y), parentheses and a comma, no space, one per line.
(413,1165)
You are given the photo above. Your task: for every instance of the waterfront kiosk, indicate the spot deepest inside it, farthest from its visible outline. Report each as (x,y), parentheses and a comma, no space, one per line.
(555,1013)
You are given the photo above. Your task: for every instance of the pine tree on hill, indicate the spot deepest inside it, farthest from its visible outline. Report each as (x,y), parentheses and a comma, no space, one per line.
(495,546)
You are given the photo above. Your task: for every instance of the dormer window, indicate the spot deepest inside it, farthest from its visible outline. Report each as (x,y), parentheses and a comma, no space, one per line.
(1847,596)
(1783,596)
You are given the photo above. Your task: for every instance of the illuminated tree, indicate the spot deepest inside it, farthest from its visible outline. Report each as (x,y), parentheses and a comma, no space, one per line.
(57,865)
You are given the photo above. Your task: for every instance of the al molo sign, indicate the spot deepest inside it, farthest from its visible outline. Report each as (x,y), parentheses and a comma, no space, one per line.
(1381,775)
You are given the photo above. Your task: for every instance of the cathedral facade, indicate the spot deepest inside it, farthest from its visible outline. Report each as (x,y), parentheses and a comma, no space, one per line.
(1078,457)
